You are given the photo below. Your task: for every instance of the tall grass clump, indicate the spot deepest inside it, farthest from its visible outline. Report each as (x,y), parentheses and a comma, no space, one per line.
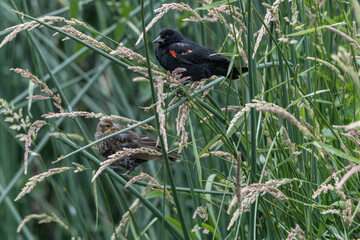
(274,154)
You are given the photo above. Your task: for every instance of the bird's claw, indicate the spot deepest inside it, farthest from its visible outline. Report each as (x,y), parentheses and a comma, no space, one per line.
(181,88)
(127,175)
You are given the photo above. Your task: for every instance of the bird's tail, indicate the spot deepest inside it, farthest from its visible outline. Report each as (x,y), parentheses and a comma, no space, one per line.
(235,72)
(173,156)
(222,69)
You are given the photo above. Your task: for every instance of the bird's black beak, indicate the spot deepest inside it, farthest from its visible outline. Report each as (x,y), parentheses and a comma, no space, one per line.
(158,40)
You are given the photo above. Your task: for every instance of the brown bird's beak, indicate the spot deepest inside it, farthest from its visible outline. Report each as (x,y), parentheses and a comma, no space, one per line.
(115,125)
(158,40)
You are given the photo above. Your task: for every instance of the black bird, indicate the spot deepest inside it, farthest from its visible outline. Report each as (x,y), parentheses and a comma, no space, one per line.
(127,139)
(176,51)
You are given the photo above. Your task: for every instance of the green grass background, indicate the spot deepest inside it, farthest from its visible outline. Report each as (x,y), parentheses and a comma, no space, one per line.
(272,147)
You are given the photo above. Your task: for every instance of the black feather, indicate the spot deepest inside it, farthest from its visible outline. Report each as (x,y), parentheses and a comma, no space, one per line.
(176,51)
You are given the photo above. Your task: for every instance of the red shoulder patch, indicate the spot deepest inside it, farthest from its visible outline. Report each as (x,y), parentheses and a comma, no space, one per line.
(173,53)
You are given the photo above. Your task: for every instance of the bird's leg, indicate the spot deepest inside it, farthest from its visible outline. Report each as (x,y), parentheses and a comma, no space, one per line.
(186,81)
(182,86)
(116,167)
(127,175)
(179,92)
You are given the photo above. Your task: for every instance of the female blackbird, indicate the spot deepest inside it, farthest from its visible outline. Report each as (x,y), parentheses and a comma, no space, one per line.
(176,51)
(127,139)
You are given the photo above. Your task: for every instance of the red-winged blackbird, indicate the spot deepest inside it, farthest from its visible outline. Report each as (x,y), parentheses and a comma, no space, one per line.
(127,139)
(176,51)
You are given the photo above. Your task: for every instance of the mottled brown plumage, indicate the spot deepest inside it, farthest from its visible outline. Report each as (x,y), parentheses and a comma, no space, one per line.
(127,139)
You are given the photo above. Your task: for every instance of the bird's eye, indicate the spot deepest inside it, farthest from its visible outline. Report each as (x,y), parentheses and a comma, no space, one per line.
(166,38)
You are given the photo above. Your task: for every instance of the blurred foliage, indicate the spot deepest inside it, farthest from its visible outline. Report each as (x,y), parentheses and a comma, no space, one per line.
(277,156)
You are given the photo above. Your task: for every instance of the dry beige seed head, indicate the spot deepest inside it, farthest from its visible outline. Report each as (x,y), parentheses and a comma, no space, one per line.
(120,154)
(126,217)
(296,233)
(33,130)
(201,211)
(33,181)
(159,84)
(43,218)
(183,114)
(250,193)
(164,9)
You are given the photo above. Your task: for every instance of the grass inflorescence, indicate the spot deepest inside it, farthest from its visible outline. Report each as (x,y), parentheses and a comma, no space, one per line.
(274,154)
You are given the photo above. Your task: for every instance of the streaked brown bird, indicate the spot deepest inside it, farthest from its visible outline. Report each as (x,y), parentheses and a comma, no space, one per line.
(127,139)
